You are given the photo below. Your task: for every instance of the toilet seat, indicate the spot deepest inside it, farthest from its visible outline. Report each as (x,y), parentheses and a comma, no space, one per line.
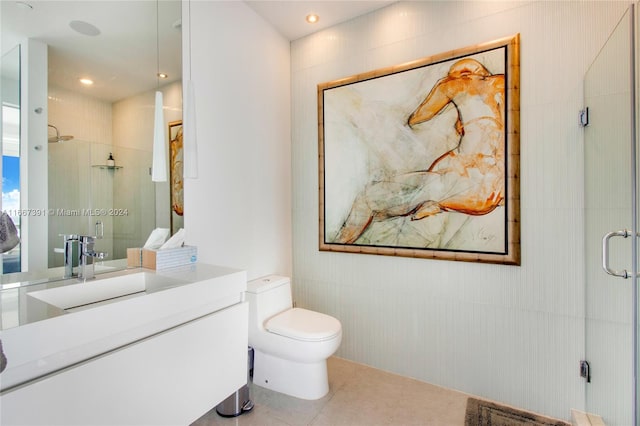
(305,325)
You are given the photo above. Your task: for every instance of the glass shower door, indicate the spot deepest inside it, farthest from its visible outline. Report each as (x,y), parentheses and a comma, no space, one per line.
(610,221)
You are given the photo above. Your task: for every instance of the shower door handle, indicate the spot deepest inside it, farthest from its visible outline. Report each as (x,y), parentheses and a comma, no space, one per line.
(605,253)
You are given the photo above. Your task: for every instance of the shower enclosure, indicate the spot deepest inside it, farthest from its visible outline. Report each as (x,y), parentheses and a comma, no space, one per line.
(84,189)
(611,222)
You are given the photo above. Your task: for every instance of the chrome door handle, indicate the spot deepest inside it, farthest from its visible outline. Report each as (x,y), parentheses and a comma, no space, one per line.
(605,253)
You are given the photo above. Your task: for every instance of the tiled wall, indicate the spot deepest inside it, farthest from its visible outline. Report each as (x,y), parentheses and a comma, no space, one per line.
(86,118)
(70,176)
(513,334)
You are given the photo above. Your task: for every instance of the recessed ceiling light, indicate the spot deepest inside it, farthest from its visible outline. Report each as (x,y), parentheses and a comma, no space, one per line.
(312,18)
(162,75)
(86,81)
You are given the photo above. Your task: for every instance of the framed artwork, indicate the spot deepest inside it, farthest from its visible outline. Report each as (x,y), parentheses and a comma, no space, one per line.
(176,175)
(422,159)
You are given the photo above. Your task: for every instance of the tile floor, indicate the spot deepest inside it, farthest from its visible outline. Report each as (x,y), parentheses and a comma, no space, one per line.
(358,395)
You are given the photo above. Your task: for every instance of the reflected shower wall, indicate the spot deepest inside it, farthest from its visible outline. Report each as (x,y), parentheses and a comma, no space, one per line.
(84,189)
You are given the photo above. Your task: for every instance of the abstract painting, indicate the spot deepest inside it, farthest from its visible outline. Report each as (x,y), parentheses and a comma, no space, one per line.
(176,178)
(422,159)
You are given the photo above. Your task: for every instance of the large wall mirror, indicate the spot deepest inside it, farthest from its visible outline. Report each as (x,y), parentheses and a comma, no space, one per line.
(77,154)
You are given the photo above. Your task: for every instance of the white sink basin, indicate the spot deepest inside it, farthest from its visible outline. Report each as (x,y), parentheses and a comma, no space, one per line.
(99,292)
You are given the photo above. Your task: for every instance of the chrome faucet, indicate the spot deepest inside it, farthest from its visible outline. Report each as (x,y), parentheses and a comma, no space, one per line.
(86,257)
(79,252)
(70,259)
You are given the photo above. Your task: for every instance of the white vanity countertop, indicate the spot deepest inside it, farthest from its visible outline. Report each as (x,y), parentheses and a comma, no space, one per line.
(39,338)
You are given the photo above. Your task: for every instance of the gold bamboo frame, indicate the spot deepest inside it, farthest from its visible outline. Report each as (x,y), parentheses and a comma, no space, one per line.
(511,255)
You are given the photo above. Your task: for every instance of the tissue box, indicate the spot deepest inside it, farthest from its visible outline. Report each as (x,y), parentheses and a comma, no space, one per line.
(134,257)
(169,258)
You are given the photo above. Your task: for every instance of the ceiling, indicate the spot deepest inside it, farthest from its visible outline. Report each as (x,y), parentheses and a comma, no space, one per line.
(288,16)
(123,59)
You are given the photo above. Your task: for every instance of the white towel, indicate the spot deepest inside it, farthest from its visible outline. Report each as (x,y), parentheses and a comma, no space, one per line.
(157,238)
(176,241)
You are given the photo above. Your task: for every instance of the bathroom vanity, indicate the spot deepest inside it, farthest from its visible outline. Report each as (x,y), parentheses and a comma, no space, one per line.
(135,347)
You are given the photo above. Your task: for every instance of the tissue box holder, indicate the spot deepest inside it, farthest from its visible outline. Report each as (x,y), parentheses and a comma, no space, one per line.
(169,258)
(134,258)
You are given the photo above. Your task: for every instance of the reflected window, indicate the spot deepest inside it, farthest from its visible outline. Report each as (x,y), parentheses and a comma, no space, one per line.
(10,73)
(11,178)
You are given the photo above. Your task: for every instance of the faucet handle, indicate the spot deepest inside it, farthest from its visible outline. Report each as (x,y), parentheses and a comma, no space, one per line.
(86,243)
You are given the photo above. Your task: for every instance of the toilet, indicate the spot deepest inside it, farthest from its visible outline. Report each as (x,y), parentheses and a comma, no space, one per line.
(291,345)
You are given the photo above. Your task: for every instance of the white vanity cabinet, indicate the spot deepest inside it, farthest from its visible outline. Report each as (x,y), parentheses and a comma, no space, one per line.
(169,377)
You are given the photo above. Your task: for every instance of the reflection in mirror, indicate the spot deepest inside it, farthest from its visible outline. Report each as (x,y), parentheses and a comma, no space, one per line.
(80,176)
(11,147)
(90,148)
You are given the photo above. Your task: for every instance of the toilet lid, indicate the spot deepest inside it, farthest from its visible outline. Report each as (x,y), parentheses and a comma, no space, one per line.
(301,324)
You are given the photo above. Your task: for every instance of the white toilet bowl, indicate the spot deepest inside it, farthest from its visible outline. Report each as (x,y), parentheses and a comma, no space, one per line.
(291,345)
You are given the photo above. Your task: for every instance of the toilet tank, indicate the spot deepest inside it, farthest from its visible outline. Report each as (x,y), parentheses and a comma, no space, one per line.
(268,296)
